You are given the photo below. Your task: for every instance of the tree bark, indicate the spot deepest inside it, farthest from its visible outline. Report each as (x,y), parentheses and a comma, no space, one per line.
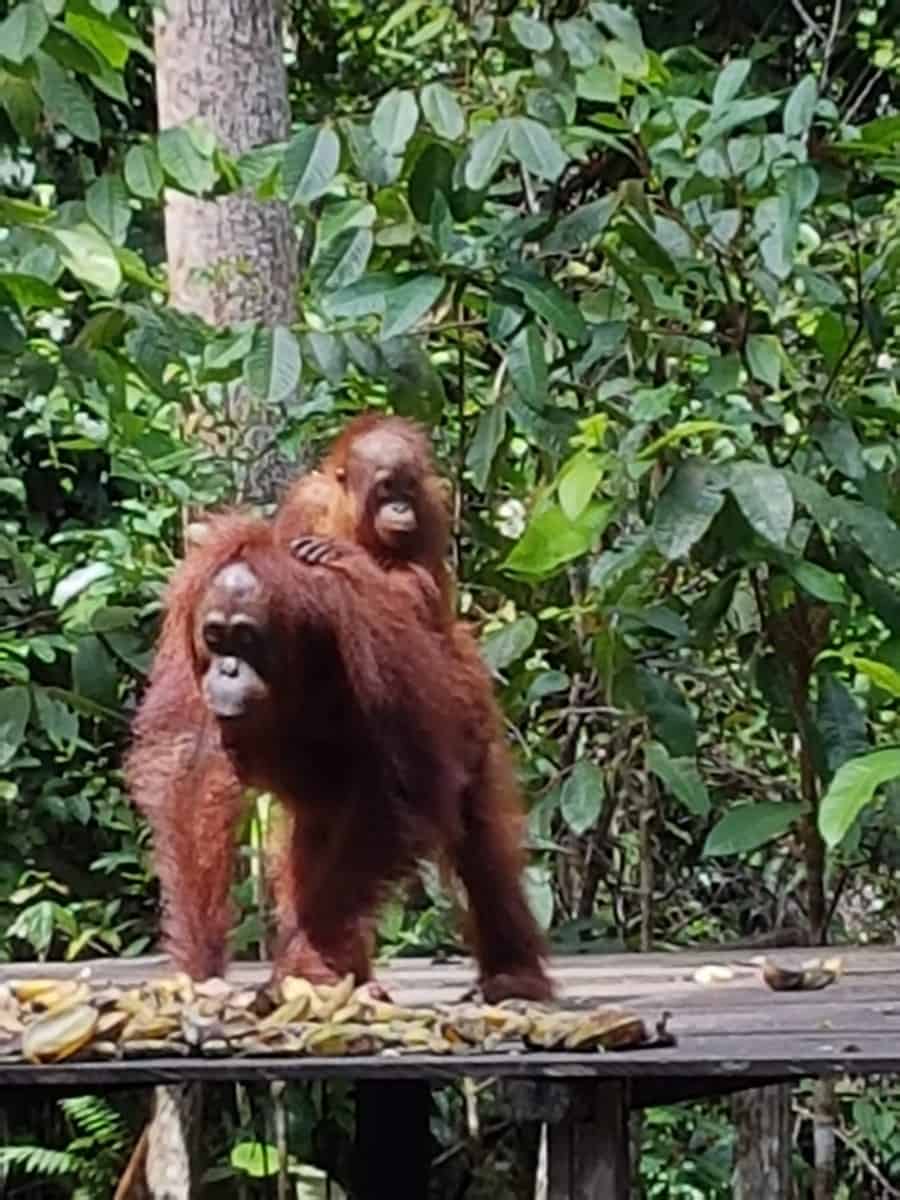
(233,258)
(230,259)
(762,1156)
(825,1120)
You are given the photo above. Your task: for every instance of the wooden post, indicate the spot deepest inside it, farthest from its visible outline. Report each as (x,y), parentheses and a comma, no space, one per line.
(589,1149)
(393,1139)
(762,1152)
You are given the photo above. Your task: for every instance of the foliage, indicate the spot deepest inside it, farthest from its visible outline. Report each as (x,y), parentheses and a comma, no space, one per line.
(95,1153)
(637,269)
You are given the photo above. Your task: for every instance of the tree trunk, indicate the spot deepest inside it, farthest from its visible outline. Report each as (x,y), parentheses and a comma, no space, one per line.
(234,258)
(762,1154)
(230,259)
(825,1120)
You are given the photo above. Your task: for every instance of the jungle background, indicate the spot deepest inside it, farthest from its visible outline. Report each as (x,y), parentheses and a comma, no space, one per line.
(638,271)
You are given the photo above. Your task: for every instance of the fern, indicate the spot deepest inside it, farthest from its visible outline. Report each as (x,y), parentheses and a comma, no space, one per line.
(95,1117)
(37,1160)
(92,1156)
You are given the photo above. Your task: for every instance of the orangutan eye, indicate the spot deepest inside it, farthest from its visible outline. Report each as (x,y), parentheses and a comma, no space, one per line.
(214,636)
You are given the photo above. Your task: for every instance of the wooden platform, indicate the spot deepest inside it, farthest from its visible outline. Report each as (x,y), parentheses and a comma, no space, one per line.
(729,1035)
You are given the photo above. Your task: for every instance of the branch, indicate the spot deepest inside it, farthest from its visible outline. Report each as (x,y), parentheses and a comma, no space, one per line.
(854,1148)
(829,43)
(813,26)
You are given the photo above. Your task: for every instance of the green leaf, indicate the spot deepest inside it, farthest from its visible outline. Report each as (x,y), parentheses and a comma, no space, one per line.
(822,584)
(621,23)
(75,582)
(489,434)
(343,261)
(764,497)
(143,174)
(600,83)
(832,337)
(582,797)
(686,507)
(23,31)
(800,107)
(107,206)
(738,112)
(841,447)
(535,147)
(550,302)
(310,164)
(95,675)
(580,227)
(852,788)
(708,611)
(415,386)
(582,41)
(840,725)
(681,776)
(485,154)
(65,100)
(749,826)
(579,481)
(15,706)
(551,540)
(776,229)
(873,532)
(374,164)
(670,716)
(30,291)
(724,226)
(548,683)
(731,79)
(22,104)
(539,892)
(272,368)
(528,367)
(327,353)
(880,673)
(505,646)
(59,722)
(99,33)
(442,111)
(432,174)
(183,162)
(531,33)
(630,63)
(408,303)
(90,257)
(764,357)
(394,120)
(256,1159)
(879,595)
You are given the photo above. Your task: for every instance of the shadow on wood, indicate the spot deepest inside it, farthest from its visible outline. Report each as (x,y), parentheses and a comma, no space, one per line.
(393,1140)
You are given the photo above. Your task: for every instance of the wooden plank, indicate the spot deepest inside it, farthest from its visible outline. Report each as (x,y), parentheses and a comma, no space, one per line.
(588,1150)
(393,1139)
(728,1035)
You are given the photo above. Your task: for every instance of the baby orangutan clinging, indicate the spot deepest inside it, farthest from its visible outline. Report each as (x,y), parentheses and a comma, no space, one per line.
(378,488)
(322,684)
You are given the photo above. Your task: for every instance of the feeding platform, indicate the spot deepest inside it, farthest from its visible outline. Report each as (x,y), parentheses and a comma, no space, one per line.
(729,1033)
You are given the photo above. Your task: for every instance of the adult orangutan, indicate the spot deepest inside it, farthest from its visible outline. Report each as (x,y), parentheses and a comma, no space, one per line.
(323,685)
(378,488)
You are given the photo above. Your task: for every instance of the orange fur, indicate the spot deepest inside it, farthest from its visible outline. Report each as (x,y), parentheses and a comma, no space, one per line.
(380,736)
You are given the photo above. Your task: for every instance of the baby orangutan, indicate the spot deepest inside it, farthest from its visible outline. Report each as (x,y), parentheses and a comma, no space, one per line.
(322,684)
(378,488)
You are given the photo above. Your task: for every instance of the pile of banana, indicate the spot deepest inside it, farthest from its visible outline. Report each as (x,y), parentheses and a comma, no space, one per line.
(49,1020)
